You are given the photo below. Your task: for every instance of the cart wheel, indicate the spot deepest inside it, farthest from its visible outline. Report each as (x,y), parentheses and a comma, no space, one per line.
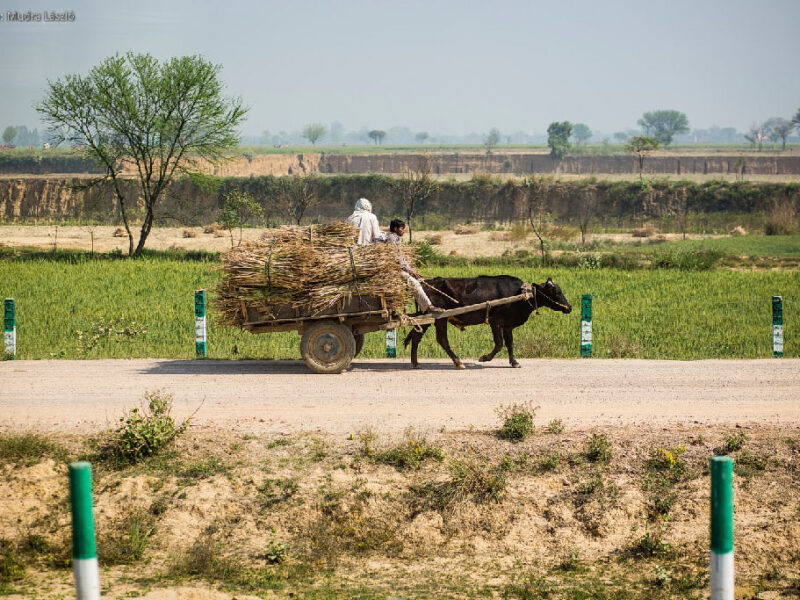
(359,343)
(327,347)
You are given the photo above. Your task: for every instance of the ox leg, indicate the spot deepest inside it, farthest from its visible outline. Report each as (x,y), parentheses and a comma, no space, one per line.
(416,337)
(441,337)
(497,333)
(508,334)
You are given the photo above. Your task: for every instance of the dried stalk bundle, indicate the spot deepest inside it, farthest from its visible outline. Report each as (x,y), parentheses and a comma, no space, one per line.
(329,234)
(310,270)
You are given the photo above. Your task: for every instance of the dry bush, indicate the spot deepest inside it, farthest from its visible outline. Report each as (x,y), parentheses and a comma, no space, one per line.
(213,228)
(738,231)
(643,232)
(499,236)
(564,233)
(453,253)
(189,233)
(434,240)
(518,232)
(782,219)
(465,230)
(120,232)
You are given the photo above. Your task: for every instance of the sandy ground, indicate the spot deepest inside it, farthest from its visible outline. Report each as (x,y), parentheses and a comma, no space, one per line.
(284,397)
(101,238)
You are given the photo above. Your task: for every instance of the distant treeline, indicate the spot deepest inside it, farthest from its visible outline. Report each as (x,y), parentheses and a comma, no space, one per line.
(196,200)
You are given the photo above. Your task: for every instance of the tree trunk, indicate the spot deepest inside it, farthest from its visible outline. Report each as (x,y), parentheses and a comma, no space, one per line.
(123,213)
(146,226)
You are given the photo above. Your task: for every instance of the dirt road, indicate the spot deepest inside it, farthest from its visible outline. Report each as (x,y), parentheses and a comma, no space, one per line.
(283,396)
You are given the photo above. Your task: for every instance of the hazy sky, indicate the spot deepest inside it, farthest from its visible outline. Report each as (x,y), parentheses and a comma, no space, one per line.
(443,66)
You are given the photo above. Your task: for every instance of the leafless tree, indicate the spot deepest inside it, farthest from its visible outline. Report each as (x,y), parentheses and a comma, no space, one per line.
(536,191)
(415,187)
(298,194)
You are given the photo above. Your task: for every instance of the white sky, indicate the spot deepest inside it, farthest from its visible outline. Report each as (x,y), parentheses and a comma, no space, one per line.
(444,66)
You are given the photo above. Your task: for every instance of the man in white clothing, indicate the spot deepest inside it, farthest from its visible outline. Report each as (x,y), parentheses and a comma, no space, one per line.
(369,231)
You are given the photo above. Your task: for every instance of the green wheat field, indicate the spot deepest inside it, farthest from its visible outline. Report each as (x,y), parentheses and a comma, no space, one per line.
(114,308)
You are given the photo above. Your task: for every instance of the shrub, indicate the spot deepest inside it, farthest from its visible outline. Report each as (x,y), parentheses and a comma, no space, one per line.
(128,538)
(782,219)
(517,421)
(11,566)
(276,551)
(597,448)
(470,480)
(555,426)
(146,432)
(410,454)
(731,443)
(426,253)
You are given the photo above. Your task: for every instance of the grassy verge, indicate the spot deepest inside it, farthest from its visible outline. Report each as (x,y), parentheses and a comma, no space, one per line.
(70,305)
(617,514)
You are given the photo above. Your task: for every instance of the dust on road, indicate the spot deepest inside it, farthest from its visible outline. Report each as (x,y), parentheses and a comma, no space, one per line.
(284,397)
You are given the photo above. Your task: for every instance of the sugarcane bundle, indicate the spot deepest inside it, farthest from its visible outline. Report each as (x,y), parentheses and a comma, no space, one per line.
(309,269)
(328,234)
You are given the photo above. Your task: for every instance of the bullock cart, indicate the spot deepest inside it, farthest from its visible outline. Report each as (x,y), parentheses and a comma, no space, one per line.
(331,338)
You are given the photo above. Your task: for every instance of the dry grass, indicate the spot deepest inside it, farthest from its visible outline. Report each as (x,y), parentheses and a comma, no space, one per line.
(782,219)
(283,519)
(643,232)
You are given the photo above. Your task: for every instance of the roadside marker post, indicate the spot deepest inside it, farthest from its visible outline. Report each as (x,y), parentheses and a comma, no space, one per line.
(10,327)
(777,326)
(586,326)
(722,528)
(391,343)
(200,324)
(84,552)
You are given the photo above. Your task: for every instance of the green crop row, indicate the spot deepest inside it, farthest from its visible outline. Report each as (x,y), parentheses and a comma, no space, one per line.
(101,308)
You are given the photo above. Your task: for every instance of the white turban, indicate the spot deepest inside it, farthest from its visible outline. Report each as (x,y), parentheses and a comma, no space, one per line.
(363,204)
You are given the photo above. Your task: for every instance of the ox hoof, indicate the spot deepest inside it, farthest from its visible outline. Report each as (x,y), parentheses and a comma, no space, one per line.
(460,366)
(415,366)
(485,358)
(516,365)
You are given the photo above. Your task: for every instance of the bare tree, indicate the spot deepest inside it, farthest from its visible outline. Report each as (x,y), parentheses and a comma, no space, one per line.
(535,196)
(756,135)
(585,198)
(415,187)
(299,193)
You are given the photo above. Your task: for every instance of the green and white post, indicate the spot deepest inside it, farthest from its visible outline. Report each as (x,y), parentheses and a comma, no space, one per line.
(391,343)
(586,326)
(200,324)
(777,326)
(84,553)
(721,528)
(10,327)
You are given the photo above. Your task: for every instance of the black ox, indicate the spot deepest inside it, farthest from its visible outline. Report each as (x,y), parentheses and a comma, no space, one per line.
(502,319)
